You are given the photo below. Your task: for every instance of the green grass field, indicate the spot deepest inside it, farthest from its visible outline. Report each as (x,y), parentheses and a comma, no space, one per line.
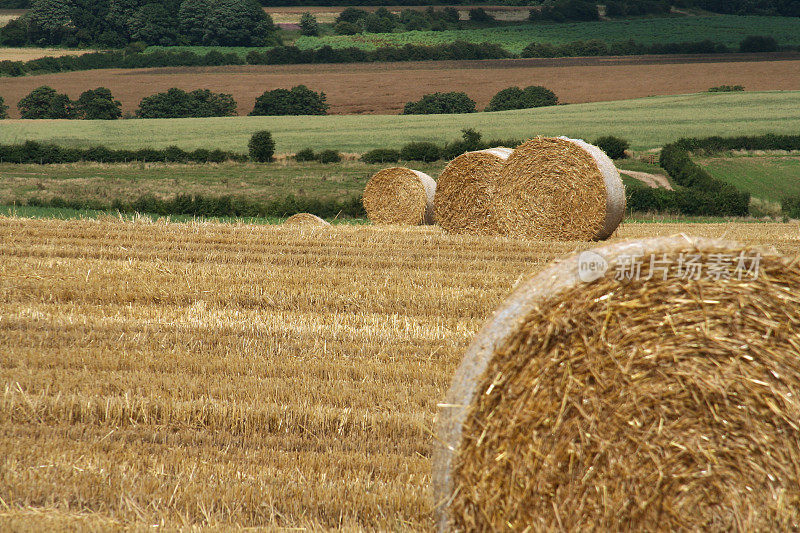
(768,177)
(725,29)
(647,123)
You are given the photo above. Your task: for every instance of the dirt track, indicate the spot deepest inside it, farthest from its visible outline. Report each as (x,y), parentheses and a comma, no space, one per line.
(383,88)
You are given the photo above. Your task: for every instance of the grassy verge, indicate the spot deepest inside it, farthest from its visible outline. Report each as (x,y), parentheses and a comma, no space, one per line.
(646,122)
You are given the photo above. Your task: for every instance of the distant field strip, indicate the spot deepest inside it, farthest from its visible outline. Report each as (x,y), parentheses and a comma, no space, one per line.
(647,123)
(725,29)
(770,177)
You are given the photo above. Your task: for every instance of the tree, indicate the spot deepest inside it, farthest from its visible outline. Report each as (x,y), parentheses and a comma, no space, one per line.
(261,147)
(48,21)
(308,25)
(346,28)
(154,25)
(516,98)
(439,103)
(480,16)
(758,43)
(239,23)
(614,147)
(3,108)
(192,17)
(177,103)
(98,104)
(300,100)
(352,15)
(45,102)
(15,33)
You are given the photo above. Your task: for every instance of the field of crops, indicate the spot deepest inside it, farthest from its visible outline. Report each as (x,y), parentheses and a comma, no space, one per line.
(764,176)
(211,374)
(647,123)
(725,29)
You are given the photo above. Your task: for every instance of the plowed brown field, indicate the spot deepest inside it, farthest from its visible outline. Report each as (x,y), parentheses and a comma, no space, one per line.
(383,88)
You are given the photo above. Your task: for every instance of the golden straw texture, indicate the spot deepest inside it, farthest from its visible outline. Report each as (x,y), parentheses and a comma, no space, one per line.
(642,403)
(558,189)
(400,195)
(305,219)
(464,191)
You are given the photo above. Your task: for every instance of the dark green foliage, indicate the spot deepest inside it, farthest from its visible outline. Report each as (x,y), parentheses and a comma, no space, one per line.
(41,153)
(308,25)
(3,109)
(634,8)
(441,103)
(516,98)
(154,25)
(566,10)
(299,100)
(346,28)
(15,33)
(726,89)
(621,48)
(614,147)
(329,156)
(114,23)
(98,104)
(421,151)
(261,147)
(758,43)
(238,23)
(305,155)
(381,155)
(469,142)
(177,103)
(480,16)
(45,102)
(791,206)
(352,15)
(210,206)
(786,8)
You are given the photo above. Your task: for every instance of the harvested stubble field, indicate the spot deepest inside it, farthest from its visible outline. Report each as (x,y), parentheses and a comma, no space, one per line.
(384,88)
(29,54)
(211,374)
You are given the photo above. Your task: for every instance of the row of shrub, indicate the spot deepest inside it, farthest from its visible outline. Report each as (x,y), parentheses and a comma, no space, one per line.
(33,152)
(282,55)
(714,144)
(210,206)
(460,102)
(99,104)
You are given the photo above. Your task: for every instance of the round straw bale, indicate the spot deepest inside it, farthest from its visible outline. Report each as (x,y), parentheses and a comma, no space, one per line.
(600,397)
(400,195)
(305,219)
(464,191)
(558,189)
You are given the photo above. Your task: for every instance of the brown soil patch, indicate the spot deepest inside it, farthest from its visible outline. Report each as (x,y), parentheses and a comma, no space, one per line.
(654,181)
(383,88)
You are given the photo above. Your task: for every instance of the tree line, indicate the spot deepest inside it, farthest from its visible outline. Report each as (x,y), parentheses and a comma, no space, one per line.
(115,23)
(99,104)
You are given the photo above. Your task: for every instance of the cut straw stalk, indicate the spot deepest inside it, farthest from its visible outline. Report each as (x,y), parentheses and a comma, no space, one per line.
(558,189)
(400,195)
(646,404)
(464,191)
(305,219)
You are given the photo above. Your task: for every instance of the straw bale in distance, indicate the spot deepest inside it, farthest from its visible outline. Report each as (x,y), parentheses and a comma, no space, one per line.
(464,191)
(305,219)
(399,195)
(639,404)
(558,189)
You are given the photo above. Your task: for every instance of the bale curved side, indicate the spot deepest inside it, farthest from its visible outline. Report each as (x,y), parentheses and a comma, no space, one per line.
(305,219)
(464,191)
(558,189)
(399,195)
(559,479)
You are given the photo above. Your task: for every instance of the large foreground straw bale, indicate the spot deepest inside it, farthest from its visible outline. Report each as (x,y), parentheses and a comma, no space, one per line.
(589,402)
(559,189)
(400,195)
(306,219)
(464,191)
